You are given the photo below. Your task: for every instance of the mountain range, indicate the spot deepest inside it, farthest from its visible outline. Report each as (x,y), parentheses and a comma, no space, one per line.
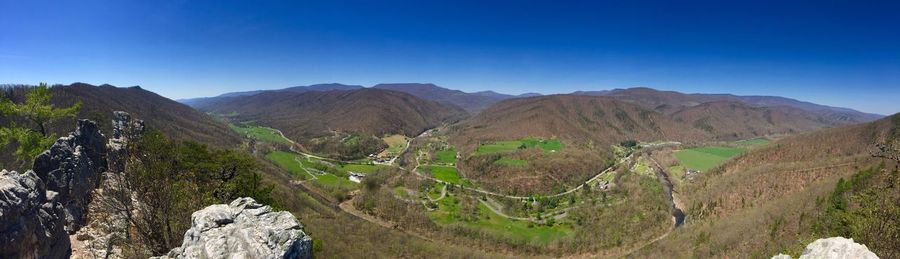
(663,101)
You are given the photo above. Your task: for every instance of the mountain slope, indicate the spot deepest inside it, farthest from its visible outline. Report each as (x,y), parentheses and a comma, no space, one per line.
(775,198)
(472,102)
(308,116)
(735,120)
(176,120)
(205,101)
(671,102)
(576,118)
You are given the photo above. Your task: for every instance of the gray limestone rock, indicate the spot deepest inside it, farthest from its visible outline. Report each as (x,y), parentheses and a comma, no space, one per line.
(31,218)
(243,229)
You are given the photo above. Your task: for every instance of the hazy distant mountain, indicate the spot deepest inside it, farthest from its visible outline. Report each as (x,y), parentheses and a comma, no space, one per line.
(670,102)
(203,101)
(472,102)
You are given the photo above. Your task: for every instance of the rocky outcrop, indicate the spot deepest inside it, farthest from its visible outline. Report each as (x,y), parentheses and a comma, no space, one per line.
(834,248)
(39,208)
(124,129)
(31,218)
(72,168)
(243,229)
(112,200)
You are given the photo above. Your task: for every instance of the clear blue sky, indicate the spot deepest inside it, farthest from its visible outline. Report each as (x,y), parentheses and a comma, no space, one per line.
(843,54)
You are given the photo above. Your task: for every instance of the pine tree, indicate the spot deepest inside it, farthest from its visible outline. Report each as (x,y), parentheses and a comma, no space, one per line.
(35,114)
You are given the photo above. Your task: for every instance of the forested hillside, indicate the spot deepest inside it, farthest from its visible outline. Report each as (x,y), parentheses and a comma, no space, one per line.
(780,197)
(336,122)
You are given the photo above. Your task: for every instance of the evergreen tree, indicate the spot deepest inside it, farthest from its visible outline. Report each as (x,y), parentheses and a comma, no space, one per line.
(27,122)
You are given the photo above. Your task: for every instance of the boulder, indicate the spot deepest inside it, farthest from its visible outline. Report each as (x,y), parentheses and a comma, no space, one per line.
(837,247)
(243,229)
(72,168)
(31,218)
(834,248)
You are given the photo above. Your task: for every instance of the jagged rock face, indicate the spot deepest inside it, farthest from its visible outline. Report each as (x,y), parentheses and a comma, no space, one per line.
(31,219)
(124,129)
(72,168)
(243,229)
(834,248)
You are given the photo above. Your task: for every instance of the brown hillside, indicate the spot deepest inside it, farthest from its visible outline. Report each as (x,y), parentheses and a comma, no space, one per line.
(303,116)
(735,120)
(578,119)
(176,120)
(472,102)
(770,199)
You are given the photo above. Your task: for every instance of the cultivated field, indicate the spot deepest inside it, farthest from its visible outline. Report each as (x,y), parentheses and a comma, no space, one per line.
(396,143)
(260,133)
(705,158)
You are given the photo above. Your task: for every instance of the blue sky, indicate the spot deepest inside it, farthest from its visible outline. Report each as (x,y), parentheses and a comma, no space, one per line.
(836,53)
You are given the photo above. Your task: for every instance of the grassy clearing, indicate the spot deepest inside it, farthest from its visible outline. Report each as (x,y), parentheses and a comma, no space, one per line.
(287,161)
(331,180)
(511,162)
(642,166)
(705,158)
(676,172)
(445,173)
(435,191)
(360,168)
(448,213)
(551,145)
(445,156)
(260,133)
(396,144)
(752,142)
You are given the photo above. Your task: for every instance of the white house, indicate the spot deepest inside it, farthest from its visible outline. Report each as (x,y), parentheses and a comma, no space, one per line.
(356,177)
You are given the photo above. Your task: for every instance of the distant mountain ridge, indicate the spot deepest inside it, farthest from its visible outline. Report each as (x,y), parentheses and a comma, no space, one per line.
(203,101)
(311,117)
(645,114)
(667,102)
(176,120)
(671,101)
(471,102)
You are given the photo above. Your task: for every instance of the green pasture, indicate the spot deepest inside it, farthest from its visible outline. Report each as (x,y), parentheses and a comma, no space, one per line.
(705,158)
(260,133)
(448,213)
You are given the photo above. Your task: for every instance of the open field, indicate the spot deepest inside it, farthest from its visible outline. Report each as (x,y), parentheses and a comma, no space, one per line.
(331,180)
(752,142)
(446,174)
(448,213)
(287,161)
(445,156)
(511,162)
(705,158)
(295,163)
(552,145)
(361,168)
(260,133)
(396,144)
